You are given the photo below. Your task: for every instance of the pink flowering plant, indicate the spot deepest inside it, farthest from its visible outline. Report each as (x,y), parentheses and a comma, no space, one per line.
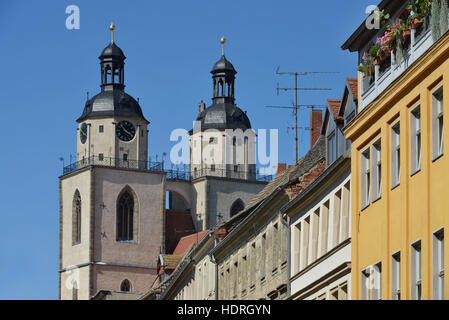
(388,41)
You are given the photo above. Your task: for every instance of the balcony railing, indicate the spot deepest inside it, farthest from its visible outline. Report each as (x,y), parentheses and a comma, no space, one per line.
(386,73)
(115,163)
(175,173)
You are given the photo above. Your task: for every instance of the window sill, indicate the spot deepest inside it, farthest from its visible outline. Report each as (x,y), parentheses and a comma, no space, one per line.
(365,206)
(395,186)
(377,199)
(415,172)
(75,244)
(126,241)
(437,157)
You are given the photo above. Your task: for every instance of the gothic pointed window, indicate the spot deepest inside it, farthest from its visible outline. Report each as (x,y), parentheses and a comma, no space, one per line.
(125,285)
(236,207)
(76,218)
(125,217)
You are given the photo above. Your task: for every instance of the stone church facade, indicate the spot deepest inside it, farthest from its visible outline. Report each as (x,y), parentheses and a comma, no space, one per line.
(114,221)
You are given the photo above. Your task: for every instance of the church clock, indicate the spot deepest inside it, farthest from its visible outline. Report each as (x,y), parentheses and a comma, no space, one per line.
(83,133)
(125,131)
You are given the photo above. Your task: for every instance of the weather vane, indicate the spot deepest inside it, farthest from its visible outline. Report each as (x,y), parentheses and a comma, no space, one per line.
(112,28)
(222,41)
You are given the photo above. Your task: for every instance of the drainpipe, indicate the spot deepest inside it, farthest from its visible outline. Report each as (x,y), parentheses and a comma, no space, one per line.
(287,224)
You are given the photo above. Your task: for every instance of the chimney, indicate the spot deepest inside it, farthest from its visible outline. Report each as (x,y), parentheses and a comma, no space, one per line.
(281,168)
(316,120)
(220,233)
(201,106)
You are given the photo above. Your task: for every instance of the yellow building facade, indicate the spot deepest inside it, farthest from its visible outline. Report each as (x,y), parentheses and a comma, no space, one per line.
(400,179)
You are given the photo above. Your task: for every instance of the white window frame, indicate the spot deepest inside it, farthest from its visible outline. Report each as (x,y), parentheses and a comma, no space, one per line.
(438,264)
(437,123)
(415,139)
(416,270)
(366,178)
(377,170)
(396,276)
(395,154)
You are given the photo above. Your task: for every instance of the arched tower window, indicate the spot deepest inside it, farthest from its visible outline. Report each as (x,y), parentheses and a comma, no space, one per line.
(220,88)
(76,218)
(236,207)
(125,285)
(125,217)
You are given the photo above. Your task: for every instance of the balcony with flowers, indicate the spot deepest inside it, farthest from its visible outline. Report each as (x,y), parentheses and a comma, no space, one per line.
(407,30)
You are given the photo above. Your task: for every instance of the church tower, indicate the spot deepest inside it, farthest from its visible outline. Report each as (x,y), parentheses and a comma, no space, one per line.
(112,198)
(223,150)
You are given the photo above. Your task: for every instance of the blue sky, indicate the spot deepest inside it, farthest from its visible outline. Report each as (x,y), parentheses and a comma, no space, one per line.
(170,46)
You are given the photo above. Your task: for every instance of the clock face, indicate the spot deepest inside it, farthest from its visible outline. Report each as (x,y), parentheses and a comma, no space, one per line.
(125,130)
(83,133)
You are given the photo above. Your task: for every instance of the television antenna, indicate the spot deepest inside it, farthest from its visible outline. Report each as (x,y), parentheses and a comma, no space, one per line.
(296,88)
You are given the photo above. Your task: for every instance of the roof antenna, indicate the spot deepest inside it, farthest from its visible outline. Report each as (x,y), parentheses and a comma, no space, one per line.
(87,93)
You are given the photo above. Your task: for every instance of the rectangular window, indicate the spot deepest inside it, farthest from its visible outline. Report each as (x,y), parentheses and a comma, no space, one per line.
(315,232)
(416,271)
(331,148)
(366,284)
(263,255)
(101,129)
(125,157)
(377,170)
(437,123)
(396,276)
(100,157)
(336,219)
(395,155)
(366,178)
(252,264)
(324,227)
(438,265)
(297,248)
(305,242)
(377,282)
(274,243)
(212,167)
(346,212)
(415,140)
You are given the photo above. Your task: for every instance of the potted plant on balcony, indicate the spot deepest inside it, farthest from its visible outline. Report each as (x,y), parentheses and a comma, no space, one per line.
(404,31)
(387,42)
(419,10)
(374,53)
(367,66)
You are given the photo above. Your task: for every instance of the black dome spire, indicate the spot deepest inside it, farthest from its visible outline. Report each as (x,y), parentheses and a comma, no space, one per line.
(112,100)
(223,113)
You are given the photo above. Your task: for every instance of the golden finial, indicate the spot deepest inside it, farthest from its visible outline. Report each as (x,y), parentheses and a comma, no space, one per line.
(112,28)
(222,41)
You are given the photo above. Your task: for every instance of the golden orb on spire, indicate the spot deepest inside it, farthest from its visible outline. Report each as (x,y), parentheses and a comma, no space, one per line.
(222,41)
(112,28)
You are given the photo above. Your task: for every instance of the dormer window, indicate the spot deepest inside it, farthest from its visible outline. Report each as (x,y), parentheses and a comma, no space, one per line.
(331,147)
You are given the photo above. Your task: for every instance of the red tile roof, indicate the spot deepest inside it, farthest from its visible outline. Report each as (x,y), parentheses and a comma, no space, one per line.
(186,242)
(335,106)
(353,84)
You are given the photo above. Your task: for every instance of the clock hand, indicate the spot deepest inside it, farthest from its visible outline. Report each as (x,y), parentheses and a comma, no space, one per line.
(130,134)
